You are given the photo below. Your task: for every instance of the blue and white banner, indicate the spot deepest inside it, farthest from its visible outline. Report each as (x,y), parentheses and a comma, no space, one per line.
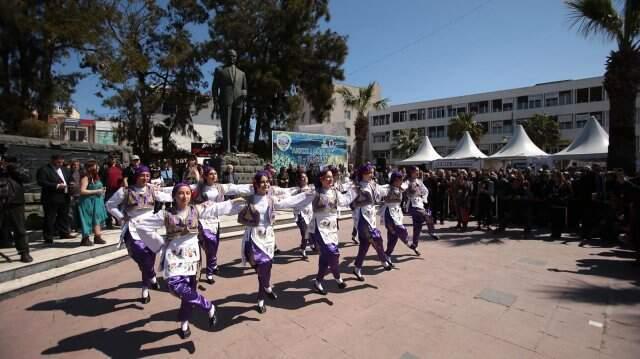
(298,148)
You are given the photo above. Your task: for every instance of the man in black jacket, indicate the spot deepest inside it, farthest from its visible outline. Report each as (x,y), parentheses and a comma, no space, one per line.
(12,205)
(55,181)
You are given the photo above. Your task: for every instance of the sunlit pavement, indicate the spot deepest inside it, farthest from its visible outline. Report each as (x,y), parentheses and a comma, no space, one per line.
(469,295)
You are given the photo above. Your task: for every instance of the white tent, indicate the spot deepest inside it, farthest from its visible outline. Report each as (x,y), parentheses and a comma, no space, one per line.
(425,153)
(519,146)
(466,149)
(591,143)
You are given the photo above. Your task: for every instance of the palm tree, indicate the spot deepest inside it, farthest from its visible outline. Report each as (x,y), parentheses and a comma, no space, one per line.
(622,76)
(361,102)
(464,122)
(407,142)
(543,131)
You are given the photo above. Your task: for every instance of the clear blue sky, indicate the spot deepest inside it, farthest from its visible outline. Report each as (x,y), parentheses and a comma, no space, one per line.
(427,49)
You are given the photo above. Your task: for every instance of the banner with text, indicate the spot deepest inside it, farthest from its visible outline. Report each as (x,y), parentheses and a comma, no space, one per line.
(298,148)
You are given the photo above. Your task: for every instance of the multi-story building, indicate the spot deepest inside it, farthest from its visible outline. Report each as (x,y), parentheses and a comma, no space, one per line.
(340,121)
(569,102)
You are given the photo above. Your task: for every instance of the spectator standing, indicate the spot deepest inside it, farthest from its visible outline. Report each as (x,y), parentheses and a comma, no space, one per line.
(558,197)
(191,173)
(130,172)
(91,208)
(55,198)
(228,176)
(283,178)
(74,188)
(462,190)
(113,177)
(12,182)
(168,177)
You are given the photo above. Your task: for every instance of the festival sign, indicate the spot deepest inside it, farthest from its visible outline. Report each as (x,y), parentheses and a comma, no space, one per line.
(298,148)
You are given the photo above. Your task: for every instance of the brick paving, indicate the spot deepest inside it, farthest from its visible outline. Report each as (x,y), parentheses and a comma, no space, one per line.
(470,295)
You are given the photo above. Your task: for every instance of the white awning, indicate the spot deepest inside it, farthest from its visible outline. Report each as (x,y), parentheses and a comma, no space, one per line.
(425,153)
(519,146)
(591,143)
(466,149)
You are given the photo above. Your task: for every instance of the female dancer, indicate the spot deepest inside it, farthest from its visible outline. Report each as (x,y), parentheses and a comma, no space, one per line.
(181,254)
(208,189)
(303,215)
(418,195)
(130,203)
(324,228)
(258,244)
(392,215)
(368,195)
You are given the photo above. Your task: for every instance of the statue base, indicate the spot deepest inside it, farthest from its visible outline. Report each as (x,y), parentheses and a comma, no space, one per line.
(245,165)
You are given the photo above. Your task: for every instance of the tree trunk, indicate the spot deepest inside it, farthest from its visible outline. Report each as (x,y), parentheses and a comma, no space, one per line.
(361,133)
(622,80)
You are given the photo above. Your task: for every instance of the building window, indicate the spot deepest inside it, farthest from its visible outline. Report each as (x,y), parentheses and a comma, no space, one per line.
(451,112)
(565,98)
(535,101)
(496,105)
(381,154)
(436,131)
(599,116)
(396,117)
(507,127)
(596,94)
(403,116)
(485,126)
(507,106)
(422,114)
(582,95)
(565,122)
(76,134)
(421,131)
(581,119)
(461,109)
(348,132)
(381,137)
(496,127)
(551,99)
(523,102)
(413,116)
(347,115)
(473,107)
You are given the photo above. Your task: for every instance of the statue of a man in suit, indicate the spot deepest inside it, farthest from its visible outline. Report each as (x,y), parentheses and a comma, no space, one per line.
(229,91)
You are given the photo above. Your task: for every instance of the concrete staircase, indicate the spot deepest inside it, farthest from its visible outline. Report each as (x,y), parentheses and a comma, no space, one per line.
(66,258)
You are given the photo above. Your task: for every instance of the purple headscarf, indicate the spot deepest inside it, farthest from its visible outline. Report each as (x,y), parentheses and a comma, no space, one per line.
(364,169)
(206,169)
(177,187)
(140,170)
(394,176)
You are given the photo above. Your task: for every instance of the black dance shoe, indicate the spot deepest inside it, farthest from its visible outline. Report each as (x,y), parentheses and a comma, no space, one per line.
(261,309)
(215,271)
(415,249)
(155,286)
(359,277)
(210,279)
(213,320)
(272,295)
(387,266)
(318,289)
(354,240)
(184,334)
(342,285)
(25,257)
(434,236)
(146,300)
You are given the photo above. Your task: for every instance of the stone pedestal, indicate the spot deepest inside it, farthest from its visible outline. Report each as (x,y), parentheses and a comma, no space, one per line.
(245,165)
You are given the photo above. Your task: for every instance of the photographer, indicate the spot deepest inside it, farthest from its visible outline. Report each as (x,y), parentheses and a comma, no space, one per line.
(12,180)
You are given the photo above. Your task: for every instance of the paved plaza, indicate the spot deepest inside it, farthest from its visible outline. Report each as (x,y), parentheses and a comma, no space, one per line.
(470,295)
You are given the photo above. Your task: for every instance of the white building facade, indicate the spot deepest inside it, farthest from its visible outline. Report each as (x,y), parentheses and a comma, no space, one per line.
(341,120)
(569,102)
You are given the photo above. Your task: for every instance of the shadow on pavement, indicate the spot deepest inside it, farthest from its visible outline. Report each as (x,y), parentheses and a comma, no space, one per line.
(605,267)
(90,305)
(595,294)
(124,341)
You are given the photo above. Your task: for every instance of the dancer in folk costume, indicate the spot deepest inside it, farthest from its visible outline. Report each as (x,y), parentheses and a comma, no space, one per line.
(180,248)
(303,215)
(258,244)
(418,195)
(392,215)
(368,195)
(324,228)
(208,189)
(129,203)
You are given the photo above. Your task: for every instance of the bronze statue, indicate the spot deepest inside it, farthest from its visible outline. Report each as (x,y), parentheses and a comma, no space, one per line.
(229,91)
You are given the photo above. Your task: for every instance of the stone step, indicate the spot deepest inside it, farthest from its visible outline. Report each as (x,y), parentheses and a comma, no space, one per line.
(66,258)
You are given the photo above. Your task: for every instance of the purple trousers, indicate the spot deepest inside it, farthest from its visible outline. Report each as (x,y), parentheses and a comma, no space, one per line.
(368,237)
(184,287)
(394,232)
(302,225)
(419,216)
(209,242)
(261,262)
(143,256)
(328,259)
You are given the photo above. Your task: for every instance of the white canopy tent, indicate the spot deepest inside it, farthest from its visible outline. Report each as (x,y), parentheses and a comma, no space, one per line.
(466,149)
(519,146)
(591,143)
(425,153)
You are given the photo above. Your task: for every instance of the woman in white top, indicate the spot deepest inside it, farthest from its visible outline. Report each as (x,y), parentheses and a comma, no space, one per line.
(258,244)
(303,215)
(392,215)
(180,248)
(418,195)
(130,203)
(208,189)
